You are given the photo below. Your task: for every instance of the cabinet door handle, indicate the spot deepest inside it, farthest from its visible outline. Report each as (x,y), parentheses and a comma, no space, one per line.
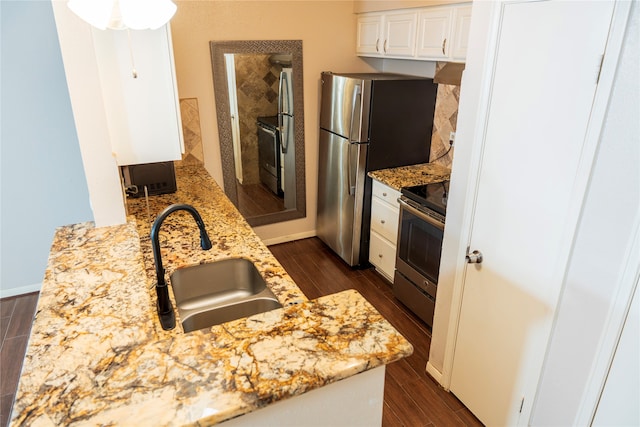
(377,43)
(384,194)
(385,46)
(382,221)
(379,255)
(444,43)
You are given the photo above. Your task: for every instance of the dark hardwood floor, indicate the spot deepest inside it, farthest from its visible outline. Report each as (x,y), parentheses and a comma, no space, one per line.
(412,398)
(16,317)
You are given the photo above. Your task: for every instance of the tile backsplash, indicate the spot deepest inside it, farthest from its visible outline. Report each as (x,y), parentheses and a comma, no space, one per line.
(193,152)
(446,113)
(444,122)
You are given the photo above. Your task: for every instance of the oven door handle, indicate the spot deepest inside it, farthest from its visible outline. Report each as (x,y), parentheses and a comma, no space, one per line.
(420,214)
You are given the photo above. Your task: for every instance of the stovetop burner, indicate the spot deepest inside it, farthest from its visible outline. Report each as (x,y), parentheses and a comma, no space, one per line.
(433,196)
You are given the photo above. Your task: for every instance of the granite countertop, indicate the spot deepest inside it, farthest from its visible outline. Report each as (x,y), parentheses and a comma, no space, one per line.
(408,176)
(97,355)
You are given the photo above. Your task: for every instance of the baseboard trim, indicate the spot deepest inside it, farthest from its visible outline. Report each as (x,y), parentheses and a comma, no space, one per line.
(289,238)
(434,373)
(12,292)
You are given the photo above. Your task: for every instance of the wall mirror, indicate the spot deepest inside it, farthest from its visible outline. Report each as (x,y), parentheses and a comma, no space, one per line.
(259,106)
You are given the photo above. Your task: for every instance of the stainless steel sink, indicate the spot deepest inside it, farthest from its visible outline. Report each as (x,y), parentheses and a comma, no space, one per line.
(217,292)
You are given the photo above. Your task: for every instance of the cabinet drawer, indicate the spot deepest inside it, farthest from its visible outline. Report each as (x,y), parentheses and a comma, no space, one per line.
(382,254)
(384,220)
(386,193)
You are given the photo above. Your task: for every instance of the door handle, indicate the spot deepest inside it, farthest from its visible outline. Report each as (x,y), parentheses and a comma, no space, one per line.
(474,257)
(356,112)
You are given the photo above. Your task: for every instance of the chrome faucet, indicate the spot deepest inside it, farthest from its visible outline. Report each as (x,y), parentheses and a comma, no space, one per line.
(165,309)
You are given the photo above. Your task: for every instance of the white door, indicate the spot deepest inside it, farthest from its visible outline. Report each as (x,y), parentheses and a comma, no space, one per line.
(544,80)
(230,63)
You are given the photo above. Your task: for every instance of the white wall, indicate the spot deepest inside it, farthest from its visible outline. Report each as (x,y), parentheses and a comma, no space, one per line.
(43,184)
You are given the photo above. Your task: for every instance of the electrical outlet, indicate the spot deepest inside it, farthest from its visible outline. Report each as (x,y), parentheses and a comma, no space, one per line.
(452,138)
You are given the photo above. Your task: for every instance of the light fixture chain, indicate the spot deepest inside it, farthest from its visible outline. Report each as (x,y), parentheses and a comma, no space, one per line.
(133,65)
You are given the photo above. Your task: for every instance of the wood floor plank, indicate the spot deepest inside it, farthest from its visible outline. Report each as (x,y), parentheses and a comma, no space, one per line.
(389,417)
(406,409)
(6,306)
(6,402)
(468,418)
(4,326)
(11,357)
(22,317)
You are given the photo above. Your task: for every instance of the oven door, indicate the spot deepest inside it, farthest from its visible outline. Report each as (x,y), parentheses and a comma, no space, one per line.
(419,247)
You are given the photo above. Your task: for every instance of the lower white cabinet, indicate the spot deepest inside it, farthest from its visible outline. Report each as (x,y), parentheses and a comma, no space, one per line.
(385,214)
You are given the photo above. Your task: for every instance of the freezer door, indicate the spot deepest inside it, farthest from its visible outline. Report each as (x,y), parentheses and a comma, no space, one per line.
(341,111)
(341,180)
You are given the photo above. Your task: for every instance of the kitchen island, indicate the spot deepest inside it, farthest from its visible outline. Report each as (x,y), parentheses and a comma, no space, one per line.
(98,356)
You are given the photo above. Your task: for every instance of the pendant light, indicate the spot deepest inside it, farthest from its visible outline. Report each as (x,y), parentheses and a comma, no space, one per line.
(124,14)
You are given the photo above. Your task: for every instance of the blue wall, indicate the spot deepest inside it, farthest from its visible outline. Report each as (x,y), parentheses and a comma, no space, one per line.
(42,180)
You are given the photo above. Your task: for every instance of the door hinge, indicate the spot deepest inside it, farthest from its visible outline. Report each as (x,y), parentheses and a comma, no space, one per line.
(600,68)
(521,405)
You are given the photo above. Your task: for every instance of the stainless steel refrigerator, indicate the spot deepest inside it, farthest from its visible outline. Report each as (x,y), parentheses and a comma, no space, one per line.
(367,122)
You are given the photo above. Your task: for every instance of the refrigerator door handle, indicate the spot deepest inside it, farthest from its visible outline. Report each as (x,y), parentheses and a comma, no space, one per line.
(351,178)
(356,113)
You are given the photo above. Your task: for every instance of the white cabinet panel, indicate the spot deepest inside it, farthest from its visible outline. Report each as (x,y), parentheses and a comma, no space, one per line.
(434,28)
(369,34)
(384,220)
(460,33)
(140,94)
(385,214)
(382,254)
(386,34)
(400,34)
(385,193)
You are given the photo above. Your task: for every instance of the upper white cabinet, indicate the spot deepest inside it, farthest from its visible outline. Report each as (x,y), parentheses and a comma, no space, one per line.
(140,94)
(460,33)
(387,34)
(434,28)
(369,34)
(430,33)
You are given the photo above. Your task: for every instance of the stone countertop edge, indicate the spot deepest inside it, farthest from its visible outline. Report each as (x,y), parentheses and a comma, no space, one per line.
(97,356)
(408,176)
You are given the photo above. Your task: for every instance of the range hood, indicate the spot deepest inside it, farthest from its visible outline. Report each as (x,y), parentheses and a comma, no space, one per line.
(449,73)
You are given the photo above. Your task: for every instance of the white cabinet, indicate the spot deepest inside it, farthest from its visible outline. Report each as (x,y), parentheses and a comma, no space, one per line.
(428,34)
(434,27)
(387,34)
(140,94)
(385,214)
(460,33)
(369,34)
(443,33)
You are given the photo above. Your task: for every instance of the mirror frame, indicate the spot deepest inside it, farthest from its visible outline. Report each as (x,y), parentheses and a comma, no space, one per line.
(218,50)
